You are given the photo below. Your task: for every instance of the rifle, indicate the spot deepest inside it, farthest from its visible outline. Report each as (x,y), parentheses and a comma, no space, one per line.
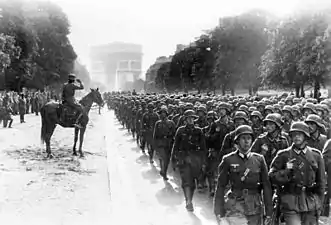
(275,218)
(326,206)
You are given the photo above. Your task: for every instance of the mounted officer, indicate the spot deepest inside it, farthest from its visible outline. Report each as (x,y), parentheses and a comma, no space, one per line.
(68,96)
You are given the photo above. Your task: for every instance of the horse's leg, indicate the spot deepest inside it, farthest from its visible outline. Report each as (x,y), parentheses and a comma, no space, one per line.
(75,141)
(81,139)
(50,131)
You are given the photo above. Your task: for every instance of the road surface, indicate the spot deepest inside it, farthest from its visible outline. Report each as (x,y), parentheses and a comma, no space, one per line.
(115,184)
(61,191)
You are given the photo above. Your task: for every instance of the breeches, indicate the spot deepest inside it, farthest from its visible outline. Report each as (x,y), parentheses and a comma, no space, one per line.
(190,169)
(302,218)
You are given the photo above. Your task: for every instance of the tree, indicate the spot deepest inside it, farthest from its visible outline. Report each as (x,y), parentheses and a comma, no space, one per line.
(40,31)
(299,53)
(162,76)
(82,73)
(242,41)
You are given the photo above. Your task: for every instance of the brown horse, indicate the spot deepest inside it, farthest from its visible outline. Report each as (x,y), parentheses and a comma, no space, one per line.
(53,113)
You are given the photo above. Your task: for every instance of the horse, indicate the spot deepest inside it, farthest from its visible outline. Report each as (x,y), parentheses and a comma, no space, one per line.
(54,113)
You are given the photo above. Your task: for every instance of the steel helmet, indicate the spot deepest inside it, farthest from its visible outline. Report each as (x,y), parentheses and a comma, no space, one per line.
(301,127)
(163,109)
(243,129)
(202,109)
(189,113)
(240,115)
(314,119)
(274,117)
(258,114)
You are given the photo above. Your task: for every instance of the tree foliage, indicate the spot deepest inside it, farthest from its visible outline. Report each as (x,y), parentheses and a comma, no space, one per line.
(254,49)
(40,32)
(299,53)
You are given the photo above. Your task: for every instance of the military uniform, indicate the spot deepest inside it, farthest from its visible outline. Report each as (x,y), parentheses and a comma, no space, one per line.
(247,175)
(301,188)
(189,150)
(163,139)
(148,122)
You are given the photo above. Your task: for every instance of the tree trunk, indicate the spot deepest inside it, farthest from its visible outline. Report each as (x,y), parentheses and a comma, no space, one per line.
(316,89)
(250,90)
(302,89)
(297,91)
(232,91)
(223,90)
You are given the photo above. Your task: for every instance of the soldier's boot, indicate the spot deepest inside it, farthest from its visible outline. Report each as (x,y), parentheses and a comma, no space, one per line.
(201,183)
(142,144)
(151,154)
(211,186)
(163,169)
(188,198)
(10,123)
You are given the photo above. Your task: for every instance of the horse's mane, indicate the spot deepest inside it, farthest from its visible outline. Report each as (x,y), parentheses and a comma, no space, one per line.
(85,97)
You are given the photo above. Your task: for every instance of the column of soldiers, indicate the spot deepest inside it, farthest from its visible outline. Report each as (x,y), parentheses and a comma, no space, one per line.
(263,160)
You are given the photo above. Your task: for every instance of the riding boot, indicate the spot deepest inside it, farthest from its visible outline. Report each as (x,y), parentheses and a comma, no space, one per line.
(188,198)
(10,123)
(77,123)
(151,154)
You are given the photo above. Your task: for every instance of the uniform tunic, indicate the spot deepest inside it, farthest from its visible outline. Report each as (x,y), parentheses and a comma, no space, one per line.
(247,176)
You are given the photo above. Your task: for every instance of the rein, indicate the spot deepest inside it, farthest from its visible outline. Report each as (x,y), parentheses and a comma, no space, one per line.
(86,102)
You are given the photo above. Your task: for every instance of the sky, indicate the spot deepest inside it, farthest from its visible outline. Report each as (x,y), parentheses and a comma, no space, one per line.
(157,25)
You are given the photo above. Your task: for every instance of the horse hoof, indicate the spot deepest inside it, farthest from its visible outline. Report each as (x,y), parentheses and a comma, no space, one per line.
(50,156)
(82,156)
(74,154)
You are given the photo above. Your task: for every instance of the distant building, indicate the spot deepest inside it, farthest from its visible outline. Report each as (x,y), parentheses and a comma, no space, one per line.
(117,64)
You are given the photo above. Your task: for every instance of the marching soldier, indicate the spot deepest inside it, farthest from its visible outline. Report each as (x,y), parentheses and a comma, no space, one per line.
(247,174)
(189,151)
(269,143)
(163,139)
(148,122)
(300,175)
(327,161)
(316,140)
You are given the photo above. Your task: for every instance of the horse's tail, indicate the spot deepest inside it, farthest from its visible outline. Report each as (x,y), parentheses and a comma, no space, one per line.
(43,124)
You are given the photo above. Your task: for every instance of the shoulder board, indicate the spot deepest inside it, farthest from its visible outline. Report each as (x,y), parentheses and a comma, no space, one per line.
(314,150)
(263,135)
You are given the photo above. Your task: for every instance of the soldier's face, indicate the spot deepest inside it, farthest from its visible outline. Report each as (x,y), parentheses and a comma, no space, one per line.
(245,142)
(267,112)
(255,119)
(312,127)
(320,113)
(307,112)
(201,113)
(270,126)
(298,138)
(222,112)
(239,122)
(190,120)
(287,115)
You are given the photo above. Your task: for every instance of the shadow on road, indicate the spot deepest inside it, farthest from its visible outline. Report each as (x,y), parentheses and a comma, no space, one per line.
(152,175)
(143,160)
(33,159)
(168,196)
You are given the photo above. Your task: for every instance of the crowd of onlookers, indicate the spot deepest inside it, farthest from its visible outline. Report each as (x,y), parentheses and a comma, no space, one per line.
(13,103)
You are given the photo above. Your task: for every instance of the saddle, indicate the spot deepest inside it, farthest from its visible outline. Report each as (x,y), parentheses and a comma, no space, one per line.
(67,115)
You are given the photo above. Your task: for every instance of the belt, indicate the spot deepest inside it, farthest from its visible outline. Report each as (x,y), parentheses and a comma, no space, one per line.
(245,192)
(298,189)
